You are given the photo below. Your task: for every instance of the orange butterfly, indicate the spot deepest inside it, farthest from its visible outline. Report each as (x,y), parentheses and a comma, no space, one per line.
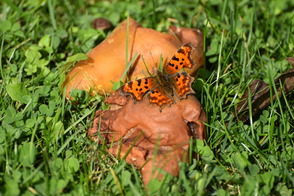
(168,86)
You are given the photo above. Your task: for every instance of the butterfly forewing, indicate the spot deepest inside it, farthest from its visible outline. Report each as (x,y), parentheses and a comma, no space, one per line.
(182,82)
(180,60)
(138,88)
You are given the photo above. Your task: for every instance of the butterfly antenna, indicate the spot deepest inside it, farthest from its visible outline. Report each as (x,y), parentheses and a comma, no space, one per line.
(160,66)
(172,31)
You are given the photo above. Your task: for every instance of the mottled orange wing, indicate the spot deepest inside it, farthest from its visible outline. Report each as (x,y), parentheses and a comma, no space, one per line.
(138,88)
(183,83)
(180,60)
(159,98)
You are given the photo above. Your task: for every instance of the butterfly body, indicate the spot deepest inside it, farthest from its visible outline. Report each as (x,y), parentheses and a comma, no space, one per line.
(164,81)
(167,86)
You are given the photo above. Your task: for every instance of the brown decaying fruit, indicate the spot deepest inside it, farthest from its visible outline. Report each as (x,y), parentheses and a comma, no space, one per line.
(158,140)
(107,61)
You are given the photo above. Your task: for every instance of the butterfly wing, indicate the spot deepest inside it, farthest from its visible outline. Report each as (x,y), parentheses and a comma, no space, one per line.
(180,60)
(159,94)
(182,82)
(158,97)
(138,88)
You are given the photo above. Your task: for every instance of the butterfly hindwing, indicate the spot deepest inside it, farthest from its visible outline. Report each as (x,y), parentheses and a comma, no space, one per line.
(138,88)
(180,60)
(158,97)
(182,82)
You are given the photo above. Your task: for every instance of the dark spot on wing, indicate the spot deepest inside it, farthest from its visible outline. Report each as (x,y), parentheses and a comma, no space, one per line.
(175,58)
(139,82)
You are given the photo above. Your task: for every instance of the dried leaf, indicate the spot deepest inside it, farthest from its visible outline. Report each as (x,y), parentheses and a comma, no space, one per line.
(290,60)
(101,23)
(260,94)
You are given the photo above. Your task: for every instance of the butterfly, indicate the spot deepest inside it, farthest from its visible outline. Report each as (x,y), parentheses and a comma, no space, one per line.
(169,85)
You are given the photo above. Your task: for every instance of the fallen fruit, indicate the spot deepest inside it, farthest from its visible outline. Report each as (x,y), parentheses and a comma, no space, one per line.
(152,140)
(107,61)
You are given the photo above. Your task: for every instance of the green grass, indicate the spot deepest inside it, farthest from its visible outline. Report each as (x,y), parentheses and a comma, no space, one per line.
(44,149)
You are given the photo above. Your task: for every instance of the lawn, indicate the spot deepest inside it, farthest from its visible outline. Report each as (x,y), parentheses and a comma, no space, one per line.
(44,149)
